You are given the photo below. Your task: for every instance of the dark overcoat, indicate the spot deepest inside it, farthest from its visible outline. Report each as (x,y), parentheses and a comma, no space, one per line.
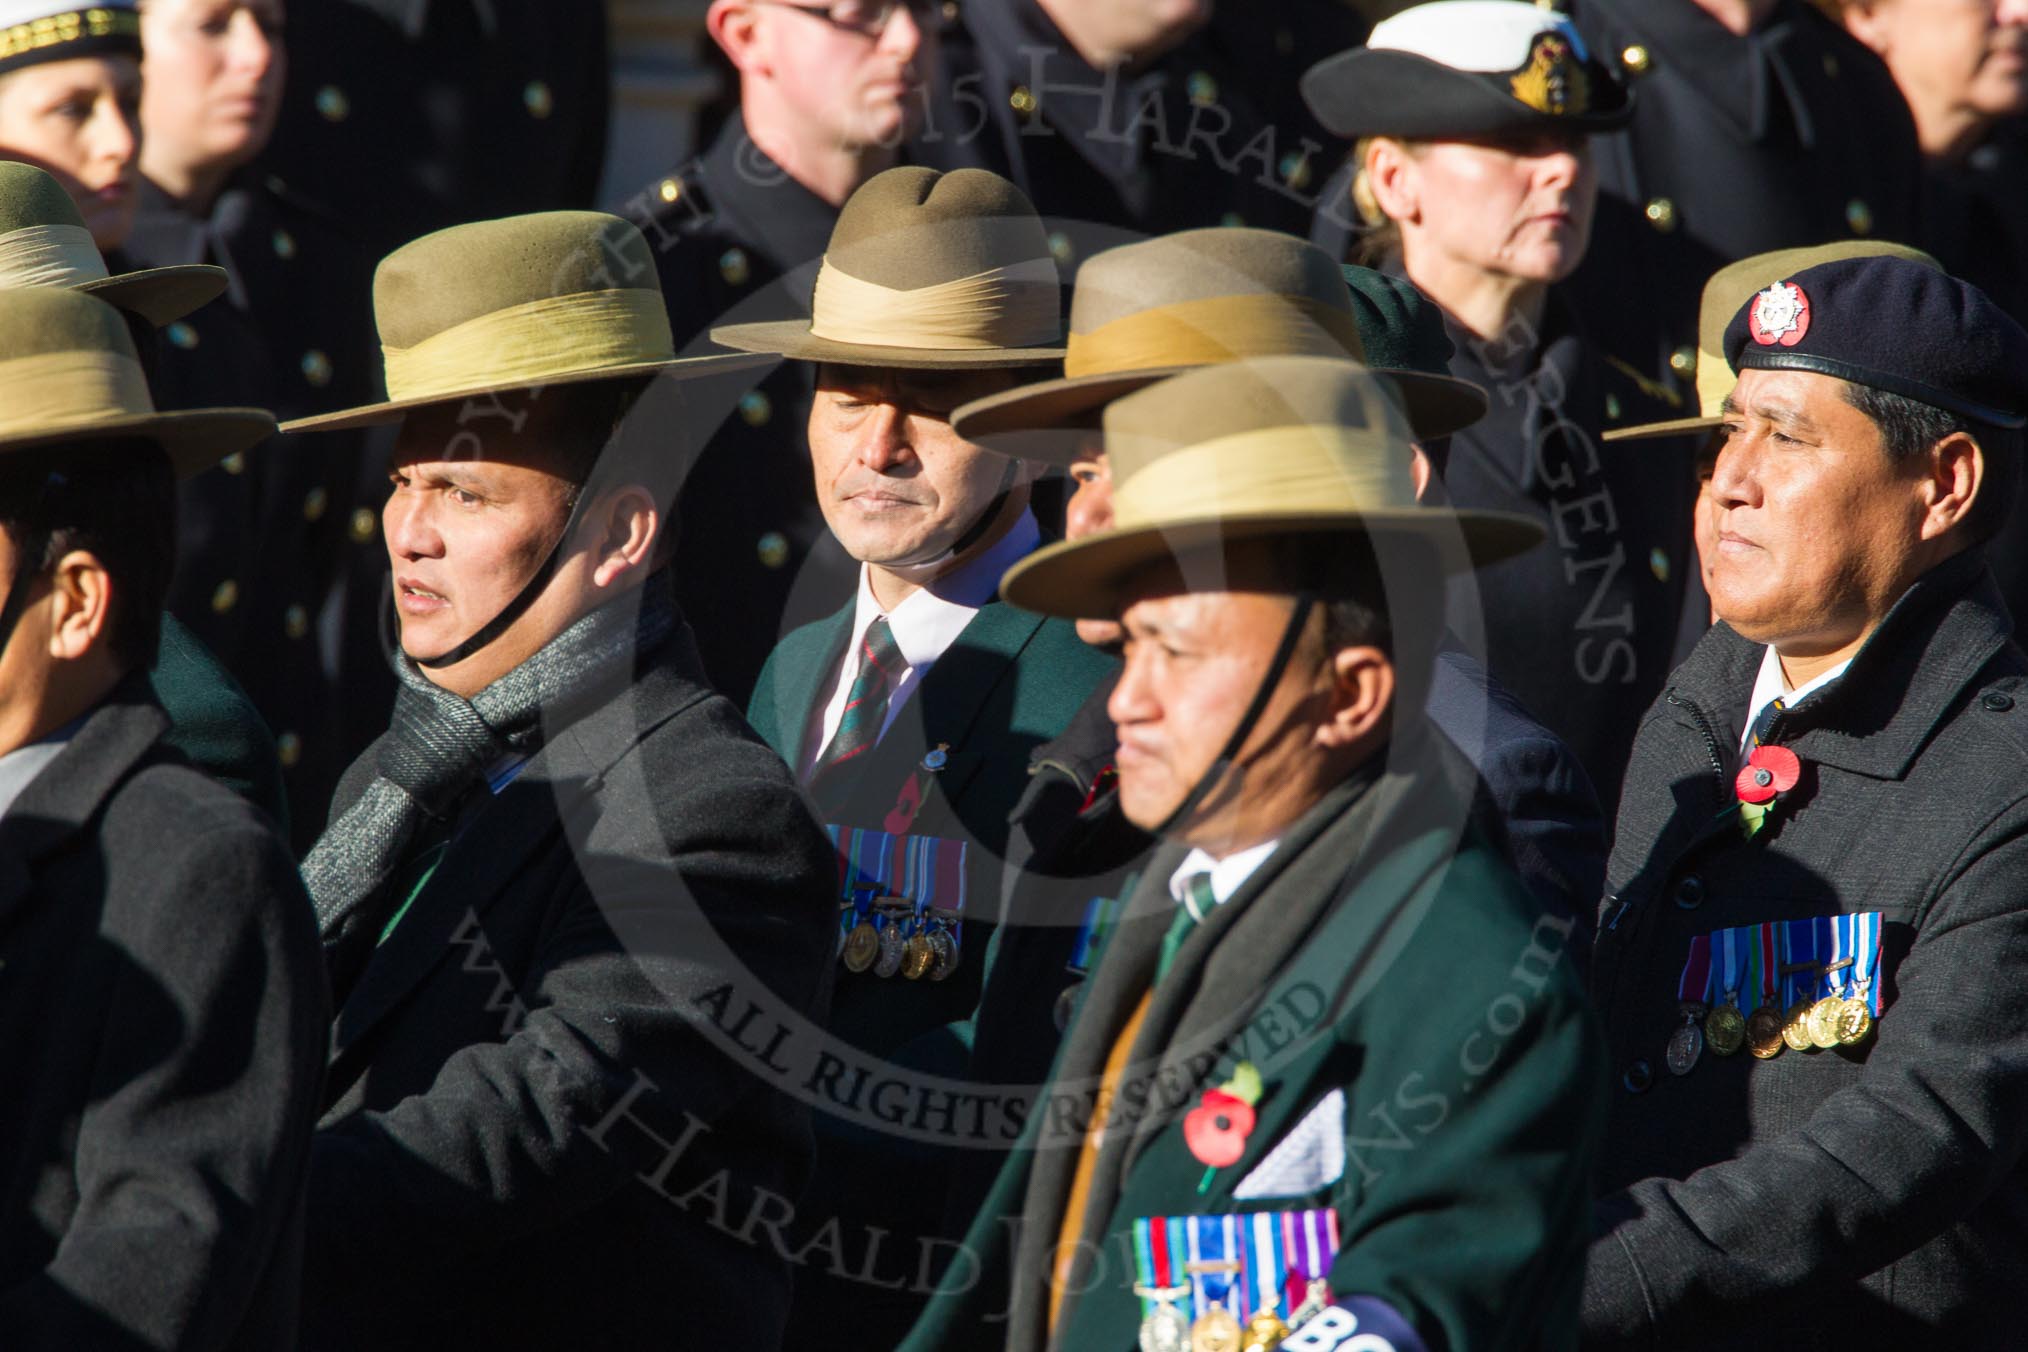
(538,1128)
(1870,1195)
(163,1005)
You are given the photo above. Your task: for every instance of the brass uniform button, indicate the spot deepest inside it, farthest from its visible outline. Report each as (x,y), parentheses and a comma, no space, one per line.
(1661,214)
(226,597)
(1022,101)
(1202,88)
(733,266)
(541,103)
(288,749)
(670,189)
(181,335)
(756,408)
(1295,170)
(284,242)
(314,503)
(332,105)
(1658,563)
(773,549)
(362,525)
(1683,360)
(316,368)
(1859,216)
(1636,59)
(1060,248)
(234,463)
(295,621)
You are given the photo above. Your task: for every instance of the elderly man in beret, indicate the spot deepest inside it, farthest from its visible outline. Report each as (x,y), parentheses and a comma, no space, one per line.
(1819,886)
(1330,1083)
(540,889)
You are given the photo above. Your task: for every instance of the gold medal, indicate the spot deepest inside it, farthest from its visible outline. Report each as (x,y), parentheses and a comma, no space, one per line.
(1764,1033)
(1265,1331)
(916,958)
(1796,1026)
(1216,1330)
(1823,1022)
(1855,1023)
(862,946)
(1725,1030)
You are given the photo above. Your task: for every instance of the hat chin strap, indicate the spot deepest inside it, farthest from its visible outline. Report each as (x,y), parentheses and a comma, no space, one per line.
(972,534)
(513,610)
(1306,601)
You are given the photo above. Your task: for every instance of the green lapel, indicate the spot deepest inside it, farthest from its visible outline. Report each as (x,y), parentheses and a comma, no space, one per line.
(792,679)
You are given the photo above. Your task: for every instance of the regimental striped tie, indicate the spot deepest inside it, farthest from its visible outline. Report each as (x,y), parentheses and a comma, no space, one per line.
(1758,733)
(880,667)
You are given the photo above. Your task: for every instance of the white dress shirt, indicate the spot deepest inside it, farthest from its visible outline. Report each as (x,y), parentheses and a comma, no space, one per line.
(924,627)
(20,767)
(1773,683)
(1228,875)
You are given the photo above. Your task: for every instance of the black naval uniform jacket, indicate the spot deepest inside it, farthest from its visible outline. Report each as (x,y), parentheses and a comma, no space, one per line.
(1793,135)
(538,1130)
(162,1012)
(1581,628)
(737,240)
(1866,1196)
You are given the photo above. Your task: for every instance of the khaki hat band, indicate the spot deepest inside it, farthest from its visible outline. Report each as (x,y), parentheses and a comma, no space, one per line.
(1303,468)
(1014,306)
(49,255)
(534,342)
(1212,330)
(55,390)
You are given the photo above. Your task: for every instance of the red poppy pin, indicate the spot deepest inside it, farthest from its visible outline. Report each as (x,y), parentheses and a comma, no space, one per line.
(1217,1128)
(1769,772)
(1779,315)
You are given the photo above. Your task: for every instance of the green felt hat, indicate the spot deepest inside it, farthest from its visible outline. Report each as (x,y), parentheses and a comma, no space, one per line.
(69,372)
(519,303)
(44,242)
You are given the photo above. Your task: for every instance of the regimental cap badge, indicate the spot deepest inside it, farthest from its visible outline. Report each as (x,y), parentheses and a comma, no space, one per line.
(1553,81)
(1780,315)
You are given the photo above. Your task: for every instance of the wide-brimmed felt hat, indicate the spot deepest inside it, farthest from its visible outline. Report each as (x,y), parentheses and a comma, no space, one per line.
(1268,448)
(1146,311)
(519,303)
(69,372)
(1458,69)
(1731,287)
(927,270)
(35,31)
(44,242)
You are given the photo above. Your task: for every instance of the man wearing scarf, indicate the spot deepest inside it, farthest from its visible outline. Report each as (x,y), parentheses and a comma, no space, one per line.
(548,890)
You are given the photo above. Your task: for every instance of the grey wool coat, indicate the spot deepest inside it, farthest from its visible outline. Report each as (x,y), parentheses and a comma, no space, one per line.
(1863,1196)
(162,1013)
(546,1120)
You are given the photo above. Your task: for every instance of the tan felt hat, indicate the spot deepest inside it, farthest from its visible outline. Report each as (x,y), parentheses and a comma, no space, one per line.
(1265,448)
(519,303)
(1146,311)
(1731,287)
(43,242)
(69,372)
(927,271)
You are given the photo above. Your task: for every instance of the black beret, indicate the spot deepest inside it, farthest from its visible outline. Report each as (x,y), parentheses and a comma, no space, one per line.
(1894,325)
(1458,69)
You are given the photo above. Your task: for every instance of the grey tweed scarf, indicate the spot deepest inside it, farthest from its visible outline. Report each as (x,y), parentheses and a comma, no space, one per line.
(440,746)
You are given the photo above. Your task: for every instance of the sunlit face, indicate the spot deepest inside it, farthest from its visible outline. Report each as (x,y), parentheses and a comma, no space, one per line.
(863,88)
(1089,511)
(213,85)
(897,486)
(1970,54)
(78,119)
(1815,531)
(1519,207)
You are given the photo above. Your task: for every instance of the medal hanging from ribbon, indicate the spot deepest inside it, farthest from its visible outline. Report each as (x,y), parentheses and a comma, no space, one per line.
(1799,979)
(1224,1281)
(1764,1020)
(905,900)
(1862,987)
(1828,1008)
(1159,1255)
(1309,1247)
(1216,1289)
(1686,1044)
(1725,1025)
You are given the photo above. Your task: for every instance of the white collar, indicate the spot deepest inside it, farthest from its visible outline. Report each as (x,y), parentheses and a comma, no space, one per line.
(1228,875)
(24,764)
(1773,682)
(929,621)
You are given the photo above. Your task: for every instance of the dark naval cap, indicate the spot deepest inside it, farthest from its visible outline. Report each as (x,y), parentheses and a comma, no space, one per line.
(1894,325)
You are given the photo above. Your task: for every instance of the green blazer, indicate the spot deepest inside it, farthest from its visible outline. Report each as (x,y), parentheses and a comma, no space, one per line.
(214,724)
(1396,991)
(1008,684)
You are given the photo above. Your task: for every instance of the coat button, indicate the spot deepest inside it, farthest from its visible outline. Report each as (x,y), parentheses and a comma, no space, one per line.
(1995,702)
(360,528)
(1859,216)
(234,463)
(755,408)
(733,266)
(1022,100)
(295,621)
(181,335)
(225,597)
(670,189)
(332,105)
(772,549)
(1636,1078)
(1636,59)
(288,749)
(1690,892)
(1661,214)
(1060,248)
(1201,88)
(314,503)
(316,368)
(1683,361)
(284,242)
(538,99)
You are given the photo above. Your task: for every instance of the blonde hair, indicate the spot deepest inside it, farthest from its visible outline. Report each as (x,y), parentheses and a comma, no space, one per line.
(1380,235)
